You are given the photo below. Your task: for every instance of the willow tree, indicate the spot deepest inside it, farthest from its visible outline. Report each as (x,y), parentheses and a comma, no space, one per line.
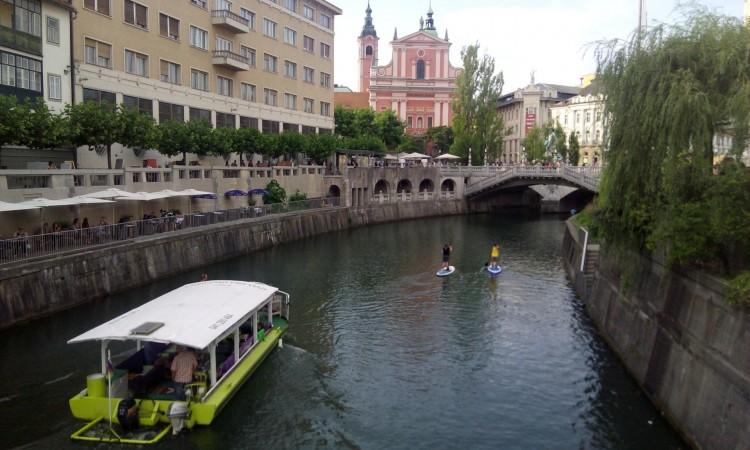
(669,92)
(476,123)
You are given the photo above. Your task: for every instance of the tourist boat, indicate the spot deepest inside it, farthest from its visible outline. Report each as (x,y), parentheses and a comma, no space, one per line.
(231,326)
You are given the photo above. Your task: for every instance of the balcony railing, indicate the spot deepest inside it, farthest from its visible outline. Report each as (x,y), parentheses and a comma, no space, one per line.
(230,60)
(20,41)
(230,20)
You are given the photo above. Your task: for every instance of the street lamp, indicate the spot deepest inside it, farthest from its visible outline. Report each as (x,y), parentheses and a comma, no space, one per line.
(469,157)
(485,157)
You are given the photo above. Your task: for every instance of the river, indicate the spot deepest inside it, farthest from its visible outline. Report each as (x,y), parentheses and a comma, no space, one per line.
(380,353)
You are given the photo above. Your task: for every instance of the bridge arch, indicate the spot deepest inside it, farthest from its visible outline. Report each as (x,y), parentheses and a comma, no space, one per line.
(381,187)
(448,185)
(403,187)
(427,185)
(334,191)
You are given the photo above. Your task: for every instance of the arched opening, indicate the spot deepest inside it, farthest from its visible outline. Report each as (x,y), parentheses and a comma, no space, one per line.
(448,186)
(368,50)
(381,187)
(334,191)
(419,122)
(404,187)
(426,185)
(420,69)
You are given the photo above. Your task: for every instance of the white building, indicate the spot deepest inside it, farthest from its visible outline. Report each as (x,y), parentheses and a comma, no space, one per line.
(583,115)
(56,54)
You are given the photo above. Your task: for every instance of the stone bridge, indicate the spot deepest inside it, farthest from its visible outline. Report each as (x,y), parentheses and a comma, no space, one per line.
(484,180)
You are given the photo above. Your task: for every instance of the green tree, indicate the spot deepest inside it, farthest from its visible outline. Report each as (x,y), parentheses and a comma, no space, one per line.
(270,145)
(412,144)
(224,142)
(94,126)
(40,128)
(533,145)
(321,146)
(441,138)
(248,140)
(476,124)
(139,131)
(574,149)
(276,193)
(12,117)
(291,144)
(201,137)
(389,128)
(173,138)
(364,122)
(344,121)
(554,131)
(669,92)
(365,142)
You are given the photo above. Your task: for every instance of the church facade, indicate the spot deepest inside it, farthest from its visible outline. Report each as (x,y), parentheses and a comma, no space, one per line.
(418,84)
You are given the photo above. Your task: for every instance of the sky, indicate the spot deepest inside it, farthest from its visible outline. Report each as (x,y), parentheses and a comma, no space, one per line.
(553,38)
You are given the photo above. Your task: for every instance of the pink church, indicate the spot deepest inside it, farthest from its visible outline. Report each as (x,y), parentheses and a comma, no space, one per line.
(418,84)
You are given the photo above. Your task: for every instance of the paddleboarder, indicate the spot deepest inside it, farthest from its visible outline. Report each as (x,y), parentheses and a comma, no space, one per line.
(447,249)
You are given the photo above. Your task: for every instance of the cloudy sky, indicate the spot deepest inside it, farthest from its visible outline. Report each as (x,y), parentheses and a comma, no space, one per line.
(551,37)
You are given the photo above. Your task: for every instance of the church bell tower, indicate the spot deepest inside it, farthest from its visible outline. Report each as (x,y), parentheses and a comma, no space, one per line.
(368,50)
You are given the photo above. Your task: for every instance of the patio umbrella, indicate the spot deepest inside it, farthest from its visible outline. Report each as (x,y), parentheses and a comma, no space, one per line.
(448,156)
(108,193)
(235,193)
(5,207)
(257,192)
(47,203)
(389,156)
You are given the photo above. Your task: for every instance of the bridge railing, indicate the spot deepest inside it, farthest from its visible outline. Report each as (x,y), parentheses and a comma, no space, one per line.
(587,177)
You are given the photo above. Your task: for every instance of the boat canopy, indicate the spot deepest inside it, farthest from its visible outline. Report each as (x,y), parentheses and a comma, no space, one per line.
(195,315)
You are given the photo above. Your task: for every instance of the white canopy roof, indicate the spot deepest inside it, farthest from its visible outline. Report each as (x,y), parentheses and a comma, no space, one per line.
(416,155)
(4,207)
(194,315)
(195,192)
(108,193)
(390,156)
(448,156)
(145,196)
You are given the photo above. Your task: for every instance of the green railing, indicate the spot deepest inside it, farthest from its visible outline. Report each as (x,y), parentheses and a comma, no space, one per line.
(20,41)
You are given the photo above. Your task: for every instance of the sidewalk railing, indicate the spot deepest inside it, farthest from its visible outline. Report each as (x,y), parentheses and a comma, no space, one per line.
(50,244)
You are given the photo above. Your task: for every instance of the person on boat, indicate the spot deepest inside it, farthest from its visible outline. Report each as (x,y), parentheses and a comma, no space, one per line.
(495,255)
(183,366)
(447,249)
(127,413)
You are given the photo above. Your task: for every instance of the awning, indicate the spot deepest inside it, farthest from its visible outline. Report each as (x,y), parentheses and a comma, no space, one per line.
(235,193)
(108,193)
(416,155)
(257,192)
(448,156)
(197,194)
(47,203)
(6,207)
(389,156)
(195,315)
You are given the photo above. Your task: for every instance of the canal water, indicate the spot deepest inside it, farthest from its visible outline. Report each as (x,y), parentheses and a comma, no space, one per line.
(381,354)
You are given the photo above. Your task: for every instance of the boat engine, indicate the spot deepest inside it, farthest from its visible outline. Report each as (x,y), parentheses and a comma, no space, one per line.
(178,413)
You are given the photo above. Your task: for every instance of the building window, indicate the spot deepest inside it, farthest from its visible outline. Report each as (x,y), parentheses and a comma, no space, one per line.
(270,127)
(325,109)
(136,14)
(290,101)
(325,50)
(224,86)
(199,80)
(588,116)
(429,122)
(223,5)
(419,122)
(420,69)
(200,3)
(100,6)
(290,69)
(99,97)
(290,36)
(270,97)
(308,44)
(198,38)
(249,54)
(290,5)
(136,63)
(309,105)
(309,75)
(269,28)
(325,20)
(248,92)
(200,114)
(169,27)
(97,53)
(54,87)
(250,16)
(223,44)
(170,111)
(170,72)
(325,79)
(368,50)
(409,122)
(269,63)
(142,105)
(308,12)
(248,122)
(224,120)
(53,30)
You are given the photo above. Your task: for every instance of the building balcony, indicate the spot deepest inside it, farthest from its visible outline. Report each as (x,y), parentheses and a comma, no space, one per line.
(229,60)
(19,40)
(230,21)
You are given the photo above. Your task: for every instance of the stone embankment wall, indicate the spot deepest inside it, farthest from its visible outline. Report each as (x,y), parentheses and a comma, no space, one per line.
(37,288)
(675,333)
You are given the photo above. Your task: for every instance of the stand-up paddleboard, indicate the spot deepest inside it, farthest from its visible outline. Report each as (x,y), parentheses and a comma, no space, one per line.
(494,270)
(445,272)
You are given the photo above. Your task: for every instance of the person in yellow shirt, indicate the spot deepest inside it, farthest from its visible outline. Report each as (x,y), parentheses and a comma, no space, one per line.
(494,255)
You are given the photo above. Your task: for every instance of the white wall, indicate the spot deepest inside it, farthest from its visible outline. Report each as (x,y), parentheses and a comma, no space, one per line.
(56,59)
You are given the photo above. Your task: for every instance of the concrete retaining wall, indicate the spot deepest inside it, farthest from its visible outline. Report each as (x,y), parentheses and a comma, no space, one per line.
(687,348)
(39,288)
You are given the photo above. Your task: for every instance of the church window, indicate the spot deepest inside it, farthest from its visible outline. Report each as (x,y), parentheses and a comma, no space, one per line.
(419,122)
(368,50)
(420,69)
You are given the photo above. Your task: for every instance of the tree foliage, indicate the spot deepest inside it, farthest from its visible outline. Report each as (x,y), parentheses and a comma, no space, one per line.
(476,124)
(412,144)
(138,129)
(574,149)
(94,126)
(669,92)
(11,120)
(356,123)
(365,142)
(441,138)
(173,138)
(533,145)
(276,193)
(247,140)
(321,146)
(389,128)
(40,128)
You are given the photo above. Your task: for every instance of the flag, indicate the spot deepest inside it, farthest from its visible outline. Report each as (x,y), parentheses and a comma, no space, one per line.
(110,367)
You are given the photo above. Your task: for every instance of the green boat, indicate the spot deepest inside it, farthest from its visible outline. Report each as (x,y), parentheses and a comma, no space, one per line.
(228,326)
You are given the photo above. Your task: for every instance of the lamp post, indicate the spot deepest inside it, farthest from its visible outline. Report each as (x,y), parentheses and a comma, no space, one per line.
(469,157)
(485,157)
